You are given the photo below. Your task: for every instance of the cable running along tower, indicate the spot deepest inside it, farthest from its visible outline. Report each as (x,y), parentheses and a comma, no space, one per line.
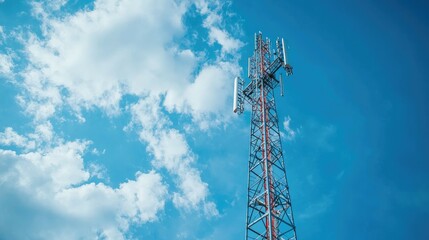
(269,208)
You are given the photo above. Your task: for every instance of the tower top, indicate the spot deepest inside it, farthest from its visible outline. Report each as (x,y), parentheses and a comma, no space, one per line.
(262,69)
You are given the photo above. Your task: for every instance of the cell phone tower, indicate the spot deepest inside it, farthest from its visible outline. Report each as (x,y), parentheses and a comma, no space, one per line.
(269,206)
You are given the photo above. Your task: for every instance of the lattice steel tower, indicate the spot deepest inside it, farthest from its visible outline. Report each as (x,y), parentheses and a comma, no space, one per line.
(269,208)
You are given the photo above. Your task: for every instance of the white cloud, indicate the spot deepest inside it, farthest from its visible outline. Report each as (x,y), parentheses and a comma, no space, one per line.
(228,43)
(290,133)
(208,97)
(48,191)
(97,152)
(98,171)
(45,195)
(6,64)
(42,135)
(2,35)
(144,197)
(94,57)
(62,164)
(10,137)
(44,132)
(55,4)
(171,151)
(7,56)
(213,22)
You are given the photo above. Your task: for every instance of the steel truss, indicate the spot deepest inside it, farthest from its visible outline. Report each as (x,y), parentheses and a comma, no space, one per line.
(269,207)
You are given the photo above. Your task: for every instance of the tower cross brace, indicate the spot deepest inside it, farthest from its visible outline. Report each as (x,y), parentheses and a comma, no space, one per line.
(269,207)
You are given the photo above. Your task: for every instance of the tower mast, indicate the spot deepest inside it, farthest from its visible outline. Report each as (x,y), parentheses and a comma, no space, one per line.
(269,207)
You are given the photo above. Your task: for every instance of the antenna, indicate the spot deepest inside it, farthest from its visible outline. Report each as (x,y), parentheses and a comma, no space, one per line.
(284,52)
(248,67)
(288,67)
(256,42)
(237,105)
(269,206)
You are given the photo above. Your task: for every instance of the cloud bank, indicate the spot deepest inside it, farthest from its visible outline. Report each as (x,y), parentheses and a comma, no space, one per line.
(91,59)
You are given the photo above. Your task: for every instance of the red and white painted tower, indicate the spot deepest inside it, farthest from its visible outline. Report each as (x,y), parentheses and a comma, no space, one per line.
(269,206)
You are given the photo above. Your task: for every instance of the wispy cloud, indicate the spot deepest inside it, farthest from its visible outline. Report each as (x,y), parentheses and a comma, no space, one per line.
(318,207)
(340,175)
(290,132)
(320,136)
(171,151)
(6,64)
(10,137)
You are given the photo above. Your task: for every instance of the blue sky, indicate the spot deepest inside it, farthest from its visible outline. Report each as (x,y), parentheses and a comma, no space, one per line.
(116,118)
